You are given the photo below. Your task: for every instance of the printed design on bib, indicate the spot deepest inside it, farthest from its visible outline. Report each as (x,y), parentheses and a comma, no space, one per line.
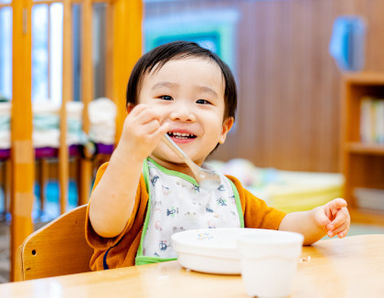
(221,202)
(154,180)
(166,190)
(163,245)
(172,212)
(176,205)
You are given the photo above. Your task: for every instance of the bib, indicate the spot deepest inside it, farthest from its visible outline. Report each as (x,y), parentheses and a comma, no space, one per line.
(177,203)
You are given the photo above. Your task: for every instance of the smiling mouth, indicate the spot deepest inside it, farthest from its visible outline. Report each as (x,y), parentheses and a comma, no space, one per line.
(181,136)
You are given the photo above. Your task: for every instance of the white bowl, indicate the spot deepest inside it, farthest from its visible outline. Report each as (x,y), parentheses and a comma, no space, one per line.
(213,250)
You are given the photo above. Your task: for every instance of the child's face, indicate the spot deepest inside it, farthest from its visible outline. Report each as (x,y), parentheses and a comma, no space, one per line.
(189,92)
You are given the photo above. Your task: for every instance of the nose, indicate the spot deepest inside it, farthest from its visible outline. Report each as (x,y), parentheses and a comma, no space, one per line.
(182,113)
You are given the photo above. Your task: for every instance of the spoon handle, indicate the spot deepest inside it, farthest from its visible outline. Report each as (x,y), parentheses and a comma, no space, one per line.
(209,178)
(180,153)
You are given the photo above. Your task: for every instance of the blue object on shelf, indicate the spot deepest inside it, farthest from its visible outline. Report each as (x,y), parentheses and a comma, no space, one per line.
(347,44)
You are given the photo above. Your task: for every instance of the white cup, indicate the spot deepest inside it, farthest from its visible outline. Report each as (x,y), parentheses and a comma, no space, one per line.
(269,261)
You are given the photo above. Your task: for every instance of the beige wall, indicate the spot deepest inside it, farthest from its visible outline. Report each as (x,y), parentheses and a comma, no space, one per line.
(289,86)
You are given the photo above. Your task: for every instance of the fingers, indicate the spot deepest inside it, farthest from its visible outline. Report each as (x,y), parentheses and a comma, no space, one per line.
(322,218)
(334,217)
(337,204)
(160,130)
(137,110)
(150,127)
(143,128)
(334,206)
(144,113)
(341,216)
(341,231)
(340,225)
(145,120)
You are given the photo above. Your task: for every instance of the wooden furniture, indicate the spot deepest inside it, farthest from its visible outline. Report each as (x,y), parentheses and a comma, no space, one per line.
(56,249)
(22,154)
(350,267)
(123,46)
(363,164)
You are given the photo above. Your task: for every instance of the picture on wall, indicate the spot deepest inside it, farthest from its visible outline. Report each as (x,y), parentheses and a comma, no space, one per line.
(214,30)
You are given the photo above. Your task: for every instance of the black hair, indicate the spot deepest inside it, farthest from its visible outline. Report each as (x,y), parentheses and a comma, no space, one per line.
(160,55)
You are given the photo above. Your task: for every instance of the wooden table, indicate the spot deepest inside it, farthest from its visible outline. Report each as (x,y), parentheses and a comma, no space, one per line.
(350,267)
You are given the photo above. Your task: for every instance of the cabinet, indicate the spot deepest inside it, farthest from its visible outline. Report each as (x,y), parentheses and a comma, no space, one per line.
(362,162)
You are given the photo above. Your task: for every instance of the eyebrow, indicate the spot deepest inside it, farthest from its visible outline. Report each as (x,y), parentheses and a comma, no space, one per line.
(164,84)
(208,90)
(174,85)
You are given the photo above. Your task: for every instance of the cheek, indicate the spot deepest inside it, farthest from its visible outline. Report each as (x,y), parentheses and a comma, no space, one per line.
(214,126)
(142,98)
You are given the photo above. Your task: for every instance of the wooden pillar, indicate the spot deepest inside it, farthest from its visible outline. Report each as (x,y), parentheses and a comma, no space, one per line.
(127,29)
(67,96)
(109,52)
(125,23)
(86,94)
(22,153)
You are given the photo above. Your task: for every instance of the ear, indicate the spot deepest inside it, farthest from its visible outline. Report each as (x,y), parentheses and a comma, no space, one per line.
(130,107)
(227,125)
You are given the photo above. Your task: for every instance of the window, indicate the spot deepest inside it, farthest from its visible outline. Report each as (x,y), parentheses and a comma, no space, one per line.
(47,50)
(47,44)
(5,51)
(47,55)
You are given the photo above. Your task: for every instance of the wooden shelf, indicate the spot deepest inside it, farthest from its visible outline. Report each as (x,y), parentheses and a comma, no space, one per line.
(365,78)
(363,164)
(361,148)
(365,216)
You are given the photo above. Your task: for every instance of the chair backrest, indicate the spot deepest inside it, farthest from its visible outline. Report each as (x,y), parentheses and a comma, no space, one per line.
(58,248)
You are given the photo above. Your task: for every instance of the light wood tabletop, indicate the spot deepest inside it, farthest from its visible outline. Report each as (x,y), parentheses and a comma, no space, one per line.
(349,267)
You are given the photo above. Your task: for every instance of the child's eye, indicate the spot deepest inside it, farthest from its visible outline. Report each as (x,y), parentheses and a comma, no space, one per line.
(166,97)
(203,101)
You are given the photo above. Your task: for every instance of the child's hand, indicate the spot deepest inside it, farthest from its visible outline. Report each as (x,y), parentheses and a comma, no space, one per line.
(142,131)
(334,217)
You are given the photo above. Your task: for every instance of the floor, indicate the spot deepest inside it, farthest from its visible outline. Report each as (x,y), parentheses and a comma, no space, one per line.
(4,252)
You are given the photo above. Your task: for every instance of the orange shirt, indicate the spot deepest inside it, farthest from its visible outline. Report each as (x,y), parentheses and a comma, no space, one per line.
(120,251)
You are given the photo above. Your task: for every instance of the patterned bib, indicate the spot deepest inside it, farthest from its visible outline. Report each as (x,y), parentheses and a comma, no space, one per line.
(177,203)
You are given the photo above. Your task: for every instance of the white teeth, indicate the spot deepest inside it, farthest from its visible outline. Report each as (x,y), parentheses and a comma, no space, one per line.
(179,134)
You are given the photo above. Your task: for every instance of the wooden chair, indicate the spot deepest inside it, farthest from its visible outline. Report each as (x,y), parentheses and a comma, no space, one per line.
(58,248)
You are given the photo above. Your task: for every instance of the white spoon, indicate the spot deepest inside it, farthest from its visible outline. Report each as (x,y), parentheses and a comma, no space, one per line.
(206,178)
